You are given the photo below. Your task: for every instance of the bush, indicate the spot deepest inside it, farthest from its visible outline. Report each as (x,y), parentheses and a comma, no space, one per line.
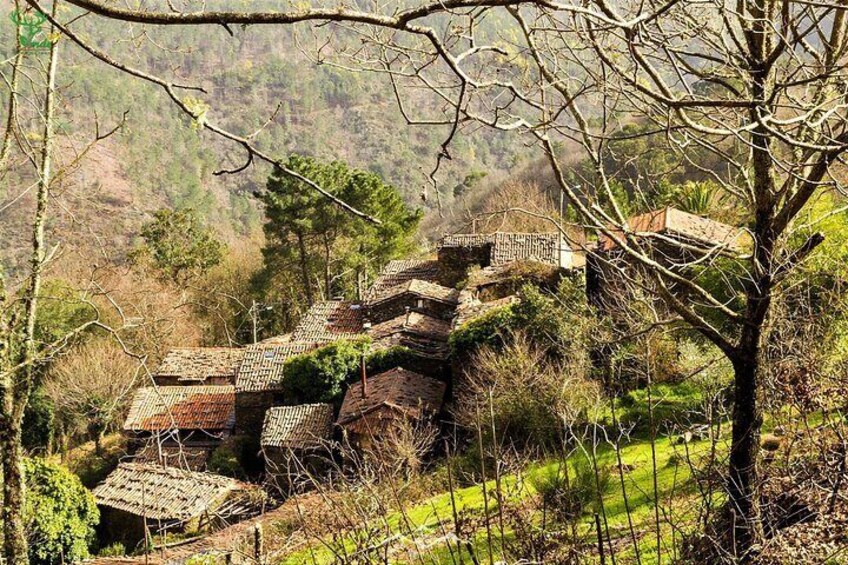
(227,458)
(485,331)
(528,397)
(38,426)
(61,514)
(320,375)
(116,549)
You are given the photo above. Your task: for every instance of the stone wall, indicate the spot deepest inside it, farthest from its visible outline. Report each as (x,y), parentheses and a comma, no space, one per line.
(455,261)
(250,411)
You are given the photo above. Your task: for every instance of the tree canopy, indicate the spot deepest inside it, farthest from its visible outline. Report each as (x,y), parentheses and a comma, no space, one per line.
(329,249)
(178,244)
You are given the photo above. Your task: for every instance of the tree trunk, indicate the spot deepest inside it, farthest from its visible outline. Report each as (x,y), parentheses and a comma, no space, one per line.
(304,269)
(14,537)
(743,482)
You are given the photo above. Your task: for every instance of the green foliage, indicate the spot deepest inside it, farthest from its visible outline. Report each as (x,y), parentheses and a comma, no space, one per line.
(385,359)
(702,198)
(116,549)
(570,490)
(555,322)
(486,330)
(60,311)
(38,422)
(320,375)
(470,181)
(178,245)
(227,458)
(680,404)
(314,245)
(61,514)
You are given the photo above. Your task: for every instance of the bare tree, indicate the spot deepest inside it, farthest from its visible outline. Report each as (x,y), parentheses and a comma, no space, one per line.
(755,86)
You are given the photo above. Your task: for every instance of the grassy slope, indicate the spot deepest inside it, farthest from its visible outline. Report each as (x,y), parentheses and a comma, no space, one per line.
(676,494)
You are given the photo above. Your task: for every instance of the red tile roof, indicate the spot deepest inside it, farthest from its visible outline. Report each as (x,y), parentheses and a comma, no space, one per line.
(210,408)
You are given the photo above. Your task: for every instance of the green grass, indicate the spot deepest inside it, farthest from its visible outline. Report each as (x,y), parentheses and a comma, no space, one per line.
(674,485)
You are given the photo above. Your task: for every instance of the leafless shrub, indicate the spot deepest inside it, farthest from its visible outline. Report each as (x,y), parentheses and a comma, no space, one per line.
(524,394)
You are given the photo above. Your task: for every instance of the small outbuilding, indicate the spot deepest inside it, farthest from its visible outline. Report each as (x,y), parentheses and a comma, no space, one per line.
(260,381)
(423,336)
(415,294)
(459,252)
(295,441)
(136,500)
(168,420)
(372,407)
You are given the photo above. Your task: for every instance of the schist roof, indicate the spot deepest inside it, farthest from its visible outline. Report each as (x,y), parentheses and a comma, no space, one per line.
(686,227)
(164,408)
(417,287)
(297,427)
(200,363)
(262,367)
(406,392)
(508,247)
(163,493)
(330,320)
(416,323)
(398,272)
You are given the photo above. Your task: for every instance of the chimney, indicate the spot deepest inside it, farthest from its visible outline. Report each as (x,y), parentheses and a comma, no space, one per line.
(406,323)
(363,376)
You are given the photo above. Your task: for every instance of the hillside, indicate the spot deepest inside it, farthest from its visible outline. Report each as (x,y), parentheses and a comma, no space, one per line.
(260,81)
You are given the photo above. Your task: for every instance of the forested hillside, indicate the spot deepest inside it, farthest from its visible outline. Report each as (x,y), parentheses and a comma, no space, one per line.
(258,81)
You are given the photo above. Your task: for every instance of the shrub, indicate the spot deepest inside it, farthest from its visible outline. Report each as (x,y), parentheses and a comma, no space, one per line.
(485,331)
(526,396)
(116,549)
(39,421)
(228,457)
(61,514)
(320,375)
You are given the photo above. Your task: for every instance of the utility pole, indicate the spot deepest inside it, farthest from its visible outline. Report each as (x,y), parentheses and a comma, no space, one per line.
(253,318)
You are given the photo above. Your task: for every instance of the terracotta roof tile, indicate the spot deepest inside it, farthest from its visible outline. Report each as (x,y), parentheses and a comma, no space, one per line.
(405,392)
(297,427)
(182,407)
(262,366)
(200,363)
(330,320)
(162,493)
